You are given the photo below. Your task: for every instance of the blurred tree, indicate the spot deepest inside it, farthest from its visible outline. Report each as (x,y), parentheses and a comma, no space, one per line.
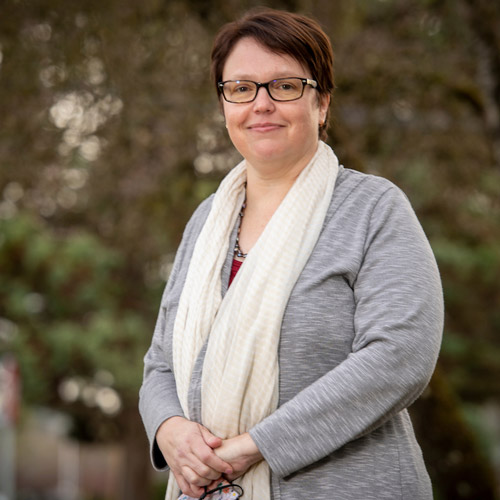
(99,142)
(106,108)
(78,342)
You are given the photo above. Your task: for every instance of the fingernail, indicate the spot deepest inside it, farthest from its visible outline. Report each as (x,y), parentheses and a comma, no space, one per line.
(229,471)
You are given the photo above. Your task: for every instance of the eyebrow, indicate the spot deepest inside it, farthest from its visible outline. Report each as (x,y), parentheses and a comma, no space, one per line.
(275,77)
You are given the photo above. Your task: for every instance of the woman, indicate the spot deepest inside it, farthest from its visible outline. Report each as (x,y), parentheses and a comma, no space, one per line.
(295,378)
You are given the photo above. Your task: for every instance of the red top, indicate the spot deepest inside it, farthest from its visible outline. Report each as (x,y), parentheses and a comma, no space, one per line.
(234,269)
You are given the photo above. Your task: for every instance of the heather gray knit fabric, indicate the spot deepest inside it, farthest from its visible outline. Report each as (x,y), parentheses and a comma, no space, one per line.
(359,341)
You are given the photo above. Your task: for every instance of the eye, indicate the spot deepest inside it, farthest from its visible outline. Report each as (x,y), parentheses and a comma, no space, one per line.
(289,85)
(241,89)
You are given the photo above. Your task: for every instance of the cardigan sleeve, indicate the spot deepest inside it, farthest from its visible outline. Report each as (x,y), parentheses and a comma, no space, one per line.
(158,400)
(398,323)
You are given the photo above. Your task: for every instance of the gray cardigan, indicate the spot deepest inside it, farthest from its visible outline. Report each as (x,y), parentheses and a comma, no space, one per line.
(359,341)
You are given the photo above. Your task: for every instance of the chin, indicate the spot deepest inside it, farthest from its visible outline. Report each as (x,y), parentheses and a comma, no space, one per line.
(267,150)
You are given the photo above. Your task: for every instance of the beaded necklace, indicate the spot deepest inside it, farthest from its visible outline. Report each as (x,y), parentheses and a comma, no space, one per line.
(237,249)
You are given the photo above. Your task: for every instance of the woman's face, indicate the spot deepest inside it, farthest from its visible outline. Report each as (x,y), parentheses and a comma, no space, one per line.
(267,132)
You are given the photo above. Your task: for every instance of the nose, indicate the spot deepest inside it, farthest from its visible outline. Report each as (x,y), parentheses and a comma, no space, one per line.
(263,101)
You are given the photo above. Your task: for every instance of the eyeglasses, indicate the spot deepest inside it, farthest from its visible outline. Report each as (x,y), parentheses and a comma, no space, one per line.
(281,89)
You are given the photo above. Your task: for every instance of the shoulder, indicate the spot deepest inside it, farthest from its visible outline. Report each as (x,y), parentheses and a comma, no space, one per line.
(189,236)
(203,209)
(352,182)
(360,193)
(363,206)
(197,220)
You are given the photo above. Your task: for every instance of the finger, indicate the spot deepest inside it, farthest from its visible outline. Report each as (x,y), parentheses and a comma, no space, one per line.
(210,459)
(232,477)
(194,480)
(186,488)
(204,470)
(209,438)
(214,484)
(191,491)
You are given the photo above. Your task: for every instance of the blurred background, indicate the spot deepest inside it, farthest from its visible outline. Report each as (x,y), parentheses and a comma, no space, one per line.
(110,135)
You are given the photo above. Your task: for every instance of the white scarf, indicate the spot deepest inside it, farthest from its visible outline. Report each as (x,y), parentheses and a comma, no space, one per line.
(240,371)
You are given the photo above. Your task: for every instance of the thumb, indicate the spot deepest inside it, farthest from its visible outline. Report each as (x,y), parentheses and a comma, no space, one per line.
(209,438)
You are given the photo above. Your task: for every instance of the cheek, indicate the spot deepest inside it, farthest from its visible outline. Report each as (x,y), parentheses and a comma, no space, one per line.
(232,115)
(313,111)
(309,118)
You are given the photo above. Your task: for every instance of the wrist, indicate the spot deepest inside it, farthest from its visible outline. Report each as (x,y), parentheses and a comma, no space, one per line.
(251,451)
(168,424)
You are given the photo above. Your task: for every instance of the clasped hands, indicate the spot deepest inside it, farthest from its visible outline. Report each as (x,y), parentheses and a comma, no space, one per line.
(198,459)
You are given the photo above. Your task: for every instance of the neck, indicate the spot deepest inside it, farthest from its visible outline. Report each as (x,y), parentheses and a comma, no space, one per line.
(267,185)
(265,195)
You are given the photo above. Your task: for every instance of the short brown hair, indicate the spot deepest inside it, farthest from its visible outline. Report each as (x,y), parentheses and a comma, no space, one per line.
(285,33)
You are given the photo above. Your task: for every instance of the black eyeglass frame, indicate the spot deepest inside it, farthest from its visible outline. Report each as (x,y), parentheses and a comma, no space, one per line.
(304,81)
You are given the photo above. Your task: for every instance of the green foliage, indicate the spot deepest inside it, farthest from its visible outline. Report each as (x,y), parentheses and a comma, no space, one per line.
(456,463)
(65,292)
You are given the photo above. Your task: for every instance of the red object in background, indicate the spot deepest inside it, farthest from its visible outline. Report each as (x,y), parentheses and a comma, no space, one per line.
(10,389)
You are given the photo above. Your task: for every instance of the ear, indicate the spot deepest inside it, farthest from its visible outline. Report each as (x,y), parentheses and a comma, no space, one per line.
(324,103)
(221,109)
(221,105)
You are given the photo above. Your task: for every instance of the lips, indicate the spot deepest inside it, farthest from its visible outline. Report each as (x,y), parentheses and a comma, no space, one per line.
(264,126)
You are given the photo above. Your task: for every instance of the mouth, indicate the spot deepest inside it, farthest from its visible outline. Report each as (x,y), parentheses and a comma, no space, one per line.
(264,127)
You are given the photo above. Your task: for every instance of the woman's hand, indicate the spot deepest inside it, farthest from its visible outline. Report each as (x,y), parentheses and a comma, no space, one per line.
(241,452)
(188,450)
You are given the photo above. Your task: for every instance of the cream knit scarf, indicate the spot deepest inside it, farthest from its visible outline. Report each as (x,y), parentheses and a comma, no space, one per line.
(240,371)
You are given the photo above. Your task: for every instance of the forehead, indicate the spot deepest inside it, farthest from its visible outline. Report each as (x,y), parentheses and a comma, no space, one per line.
(251,60)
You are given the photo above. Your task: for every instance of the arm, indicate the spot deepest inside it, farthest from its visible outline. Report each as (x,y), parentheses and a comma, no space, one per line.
(397,325)
(185,446)
(158,399)
(241,452)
